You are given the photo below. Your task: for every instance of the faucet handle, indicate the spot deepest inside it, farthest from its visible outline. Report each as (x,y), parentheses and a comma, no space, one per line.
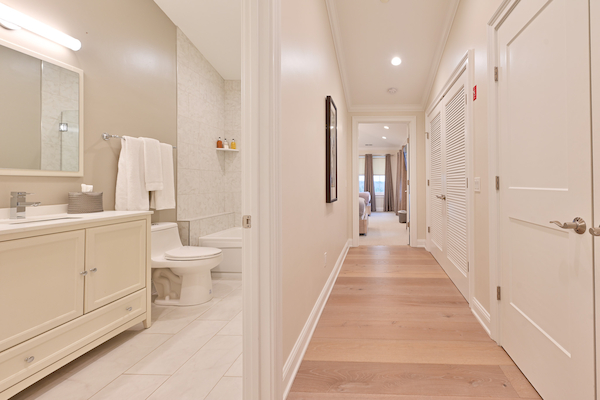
(14,194)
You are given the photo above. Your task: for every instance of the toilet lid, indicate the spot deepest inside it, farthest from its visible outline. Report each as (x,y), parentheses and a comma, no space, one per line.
(187,253)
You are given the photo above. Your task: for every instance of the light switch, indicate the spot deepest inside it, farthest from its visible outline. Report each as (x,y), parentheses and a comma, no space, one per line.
(477,184)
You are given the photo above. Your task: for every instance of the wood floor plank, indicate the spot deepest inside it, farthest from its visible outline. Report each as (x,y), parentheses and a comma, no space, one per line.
(406,379)
(406,351)
(519,382)
(396,328)
(400,330)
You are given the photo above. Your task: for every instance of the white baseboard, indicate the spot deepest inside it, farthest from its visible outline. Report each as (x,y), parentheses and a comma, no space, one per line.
(481,314)
(421,243)
(290,369)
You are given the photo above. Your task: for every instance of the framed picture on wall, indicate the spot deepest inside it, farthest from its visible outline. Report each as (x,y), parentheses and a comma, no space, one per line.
(331,152)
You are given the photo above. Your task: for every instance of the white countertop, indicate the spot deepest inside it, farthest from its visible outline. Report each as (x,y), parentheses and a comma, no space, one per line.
(9,226)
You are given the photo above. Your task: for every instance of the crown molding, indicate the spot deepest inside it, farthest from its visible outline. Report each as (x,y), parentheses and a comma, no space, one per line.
(339,52)
(386,108)
(438,54)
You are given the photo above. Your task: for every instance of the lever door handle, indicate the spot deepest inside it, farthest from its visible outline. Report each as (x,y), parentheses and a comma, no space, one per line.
(441,197)
(578,225)
(595,231)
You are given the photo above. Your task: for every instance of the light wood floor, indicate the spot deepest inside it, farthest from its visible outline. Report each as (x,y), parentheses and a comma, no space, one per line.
(396,328)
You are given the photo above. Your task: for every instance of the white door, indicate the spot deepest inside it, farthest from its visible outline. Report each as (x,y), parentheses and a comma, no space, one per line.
(448,185)
(544,139)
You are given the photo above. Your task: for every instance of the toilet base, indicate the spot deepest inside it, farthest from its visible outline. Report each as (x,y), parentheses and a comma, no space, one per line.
(196,288)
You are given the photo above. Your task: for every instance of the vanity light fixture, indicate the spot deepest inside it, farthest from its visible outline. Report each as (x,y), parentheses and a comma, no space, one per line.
(396,61)
(8,25)
(386,127)
(11,17)
(63,127)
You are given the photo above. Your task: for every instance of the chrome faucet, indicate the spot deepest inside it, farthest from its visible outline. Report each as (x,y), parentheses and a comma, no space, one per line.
(18,205)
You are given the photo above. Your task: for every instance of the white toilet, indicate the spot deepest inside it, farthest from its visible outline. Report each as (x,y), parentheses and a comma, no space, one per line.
(181,274)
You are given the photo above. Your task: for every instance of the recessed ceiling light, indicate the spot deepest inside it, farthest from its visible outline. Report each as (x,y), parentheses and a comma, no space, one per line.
(383,137)
(386,127)
(396,61)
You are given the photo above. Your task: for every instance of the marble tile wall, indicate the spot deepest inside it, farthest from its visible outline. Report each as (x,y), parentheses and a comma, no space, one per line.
(208,181)
(60,93)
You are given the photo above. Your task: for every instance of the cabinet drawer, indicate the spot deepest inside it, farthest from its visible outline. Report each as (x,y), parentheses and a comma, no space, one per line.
(19,362)
(41,285)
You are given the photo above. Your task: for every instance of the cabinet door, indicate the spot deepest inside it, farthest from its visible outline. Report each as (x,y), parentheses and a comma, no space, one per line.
(115,261)
(41,284)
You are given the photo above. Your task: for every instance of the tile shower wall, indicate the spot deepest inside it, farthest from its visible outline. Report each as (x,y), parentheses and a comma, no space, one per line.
(208,181)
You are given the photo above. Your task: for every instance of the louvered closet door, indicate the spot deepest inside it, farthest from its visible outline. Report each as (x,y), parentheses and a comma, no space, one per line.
(448,185)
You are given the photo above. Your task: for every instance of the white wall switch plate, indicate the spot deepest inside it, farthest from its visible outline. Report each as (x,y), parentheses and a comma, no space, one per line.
(477,184)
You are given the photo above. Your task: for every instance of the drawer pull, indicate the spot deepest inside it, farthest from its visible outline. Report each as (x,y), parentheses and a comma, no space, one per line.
(129,308)
(93,269)
(84,273)
(29,359)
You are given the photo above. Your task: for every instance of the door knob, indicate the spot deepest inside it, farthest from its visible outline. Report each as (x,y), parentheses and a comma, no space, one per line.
(578,225)
(441,197)
(595,231)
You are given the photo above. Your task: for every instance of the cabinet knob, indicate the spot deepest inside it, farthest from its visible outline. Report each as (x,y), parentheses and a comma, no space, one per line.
(29,359)
(93,269)
(84,273)
(129,308)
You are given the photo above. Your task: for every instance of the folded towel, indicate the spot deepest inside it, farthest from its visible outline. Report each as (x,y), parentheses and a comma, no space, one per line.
(165,198)
(152,164)
(131,193)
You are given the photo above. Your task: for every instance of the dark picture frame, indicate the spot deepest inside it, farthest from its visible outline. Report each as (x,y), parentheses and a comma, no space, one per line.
(331,150)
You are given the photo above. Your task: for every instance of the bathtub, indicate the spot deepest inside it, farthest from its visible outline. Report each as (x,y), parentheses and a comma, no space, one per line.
(230,241)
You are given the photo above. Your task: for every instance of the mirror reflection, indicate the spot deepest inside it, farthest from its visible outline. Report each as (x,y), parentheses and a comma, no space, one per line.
(39,114)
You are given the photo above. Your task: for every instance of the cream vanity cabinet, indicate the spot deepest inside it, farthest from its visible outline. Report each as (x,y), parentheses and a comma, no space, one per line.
(67,287)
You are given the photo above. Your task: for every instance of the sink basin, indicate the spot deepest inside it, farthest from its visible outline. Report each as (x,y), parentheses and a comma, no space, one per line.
(36,219)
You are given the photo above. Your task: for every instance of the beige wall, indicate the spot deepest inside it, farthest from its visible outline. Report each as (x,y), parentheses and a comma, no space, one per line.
(469,31)
(309,73)
(128,56)
(421,172)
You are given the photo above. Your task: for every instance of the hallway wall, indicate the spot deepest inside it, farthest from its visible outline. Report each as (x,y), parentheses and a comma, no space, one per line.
(310,227)
(469,31)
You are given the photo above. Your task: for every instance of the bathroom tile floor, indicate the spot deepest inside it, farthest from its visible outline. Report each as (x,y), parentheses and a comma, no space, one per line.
(188,353)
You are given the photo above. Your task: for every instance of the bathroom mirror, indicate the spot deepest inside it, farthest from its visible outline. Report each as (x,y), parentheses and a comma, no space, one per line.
(41,115)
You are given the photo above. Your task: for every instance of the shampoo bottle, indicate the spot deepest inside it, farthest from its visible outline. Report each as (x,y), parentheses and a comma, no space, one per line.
(219,143)
(233,145)
(225,144)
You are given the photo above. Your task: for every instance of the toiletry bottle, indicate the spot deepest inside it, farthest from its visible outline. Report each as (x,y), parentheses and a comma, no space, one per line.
(219,143)
(225,144)
(233,145)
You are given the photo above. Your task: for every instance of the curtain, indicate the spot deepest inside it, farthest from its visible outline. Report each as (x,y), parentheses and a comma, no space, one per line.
(369,181)
(388,198)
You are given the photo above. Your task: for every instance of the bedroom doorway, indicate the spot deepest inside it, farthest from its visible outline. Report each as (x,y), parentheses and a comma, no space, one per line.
(382,171)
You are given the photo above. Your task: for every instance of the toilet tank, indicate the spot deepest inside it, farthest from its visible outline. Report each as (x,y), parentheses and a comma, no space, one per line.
(165,236)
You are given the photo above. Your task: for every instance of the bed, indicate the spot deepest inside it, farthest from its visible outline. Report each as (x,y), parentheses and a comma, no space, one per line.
(367,197)
(363,216)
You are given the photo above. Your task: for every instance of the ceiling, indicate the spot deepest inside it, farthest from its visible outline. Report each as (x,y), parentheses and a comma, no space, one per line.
(215,28)
(372,133)
(369,33)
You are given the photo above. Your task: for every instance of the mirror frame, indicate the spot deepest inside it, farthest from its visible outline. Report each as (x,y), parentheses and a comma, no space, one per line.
(39,172)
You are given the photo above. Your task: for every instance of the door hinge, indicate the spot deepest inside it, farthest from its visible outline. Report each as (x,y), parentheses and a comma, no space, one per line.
(407,140)
(428,229)
(468,266)
(408,224)
(497,183)
(495,74)
(427,135)
(408,182)
(427,182)
(247,221)
(467,183)
(498,293)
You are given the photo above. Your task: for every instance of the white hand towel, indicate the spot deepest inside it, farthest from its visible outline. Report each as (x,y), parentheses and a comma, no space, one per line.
(165,199)
(131,193)
(152,164)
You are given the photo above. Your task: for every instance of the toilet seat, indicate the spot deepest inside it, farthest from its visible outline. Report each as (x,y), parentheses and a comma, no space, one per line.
(190,253)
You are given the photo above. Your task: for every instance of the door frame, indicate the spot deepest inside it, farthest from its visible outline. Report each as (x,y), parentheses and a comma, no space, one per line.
(261,199)
(464,66)
(412,188)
